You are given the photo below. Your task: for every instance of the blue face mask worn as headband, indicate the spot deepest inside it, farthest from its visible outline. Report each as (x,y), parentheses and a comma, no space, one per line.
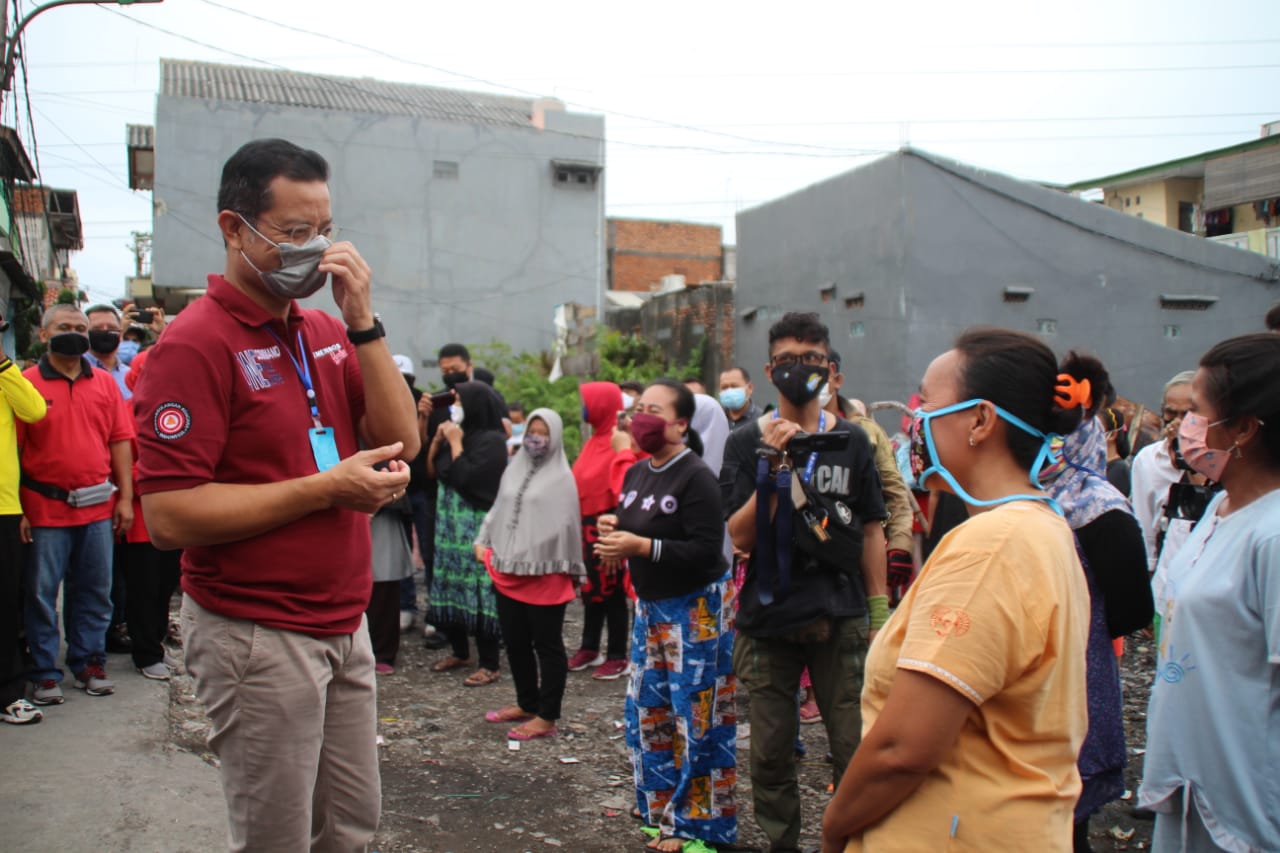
(923,430)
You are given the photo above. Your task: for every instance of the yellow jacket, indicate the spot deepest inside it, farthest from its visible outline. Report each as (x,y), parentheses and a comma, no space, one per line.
(18,397)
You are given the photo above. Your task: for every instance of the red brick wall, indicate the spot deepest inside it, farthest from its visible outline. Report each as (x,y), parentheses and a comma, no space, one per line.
(641,252)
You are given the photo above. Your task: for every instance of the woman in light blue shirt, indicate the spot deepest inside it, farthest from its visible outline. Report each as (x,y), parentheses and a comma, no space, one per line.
(1213,727)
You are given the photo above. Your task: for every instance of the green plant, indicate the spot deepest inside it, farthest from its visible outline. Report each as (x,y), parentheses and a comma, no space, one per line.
(524,377)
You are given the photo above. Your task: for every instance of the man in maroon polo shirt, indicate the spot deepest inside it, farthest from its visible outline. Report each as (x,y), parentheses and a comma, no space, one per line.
(70,508)
(249,422)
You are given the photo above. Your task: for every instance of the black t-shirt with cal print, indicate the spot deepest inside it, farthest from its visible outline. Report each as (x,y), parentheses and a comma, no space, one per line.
(678,507)
(845,478)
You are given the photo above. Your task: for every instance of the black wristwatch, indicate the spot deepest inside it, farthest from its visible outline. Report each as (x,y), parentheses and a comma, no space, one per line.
(364,336)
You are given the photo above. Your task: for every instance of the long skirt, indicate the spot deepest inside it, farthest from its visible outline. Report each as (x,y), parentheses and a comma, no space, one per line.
(461,592)
(681,723)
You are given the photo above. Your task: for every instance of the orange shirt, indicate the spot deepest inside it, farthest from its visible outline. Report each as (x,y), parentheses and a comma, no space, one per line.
(1000,613)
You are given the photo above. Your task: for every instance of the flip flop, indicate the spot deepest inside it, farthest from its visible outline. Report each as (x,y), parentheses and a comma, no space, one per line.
(691,845)
(505,715)
(480,678)
(449,663)
(521,733)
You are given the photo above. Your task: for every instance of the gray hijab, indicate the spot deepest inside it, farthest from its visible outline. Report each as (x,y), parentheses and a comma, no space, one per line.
(534,526)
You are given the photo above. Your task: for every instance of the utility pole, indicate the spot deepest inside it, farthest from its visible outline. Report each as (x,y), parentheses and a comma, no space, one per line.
(11,43)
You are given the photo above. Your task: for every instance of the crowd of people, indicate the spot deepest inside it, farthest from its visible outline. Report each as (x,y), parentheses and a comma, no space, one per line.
(948,602)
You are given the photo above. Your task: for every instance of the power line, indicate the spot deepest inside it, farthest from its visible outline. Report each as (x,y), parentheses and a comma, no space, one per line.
(387,55)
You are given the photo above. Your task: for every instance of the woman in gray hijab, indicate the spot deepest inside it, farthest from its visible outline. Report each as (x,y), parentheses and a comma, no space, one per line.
(531,544)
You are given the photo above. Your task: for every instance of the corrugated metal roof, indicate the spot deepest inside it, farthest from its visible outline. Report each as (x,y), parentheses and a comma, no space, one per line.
(210,81)
(140,135)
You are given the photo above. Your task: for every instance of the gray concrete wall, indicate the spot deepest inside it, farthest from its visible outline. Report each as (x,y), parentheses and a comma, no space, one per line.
(933,253)
(483,256)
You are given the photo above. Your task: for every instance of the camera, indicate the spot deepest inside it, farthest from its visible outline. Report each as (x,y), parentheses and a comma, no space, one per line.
(145,315)
(804,443)
(444,398)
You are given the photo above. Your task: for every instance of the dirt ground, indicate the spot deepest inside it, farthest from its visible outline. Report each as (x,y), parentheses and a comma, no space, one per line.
(452,783)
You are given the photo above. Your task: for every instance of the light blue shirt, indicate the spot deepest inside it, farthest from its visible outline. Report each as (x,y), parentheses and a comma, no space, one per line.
(118,372)
(1213,726)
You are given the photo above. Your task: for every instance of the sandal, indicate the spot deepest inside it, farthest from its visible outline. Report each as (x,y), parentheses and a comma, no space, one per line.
(522,732)
(20,712)
(449,663)
(509,714)
(481,677)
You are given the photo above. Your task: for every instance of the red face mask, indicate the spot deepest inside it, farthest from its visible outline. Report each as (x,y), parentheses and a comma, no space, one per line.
(650,432)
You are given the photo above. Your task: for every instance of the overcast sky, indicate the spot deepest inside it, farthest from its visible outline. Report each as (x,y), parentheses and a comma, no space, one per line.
(711,107)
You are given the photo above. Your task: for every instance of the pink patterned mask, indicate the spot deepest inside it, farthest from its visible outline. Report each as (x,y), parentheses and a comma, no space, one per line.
(1193,442)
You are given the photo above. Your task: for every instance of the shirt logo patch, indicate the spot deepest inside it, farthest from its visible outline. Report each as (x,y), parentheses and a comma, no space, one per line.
(949,622)
(334,351)
(668,504)
(846,514)
(171,421)
(257,373)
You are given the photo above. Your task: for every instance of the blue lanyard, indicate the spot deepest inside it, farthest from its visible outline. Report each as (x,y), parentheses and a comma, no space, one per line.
(813,457)
(303,370)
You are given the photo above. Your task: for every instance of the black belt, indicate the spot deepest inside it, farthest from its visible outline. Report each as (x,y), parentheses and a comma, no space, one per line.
(45,489)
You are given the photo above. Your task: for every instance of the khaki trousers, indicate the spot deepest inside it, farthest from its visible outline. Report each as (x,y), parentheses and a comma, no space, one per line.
(294,724)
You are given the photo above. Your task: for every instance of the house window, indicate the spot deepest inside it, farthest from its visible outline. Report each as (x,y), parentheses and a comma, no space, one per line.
(827,291)
(1137,200)
(857,329)
(1186,216)
(1126,202)
(855,301)
(574,174)
(1015,293)
(1047,327)
(1186,302)
(1173,331)
(444,169)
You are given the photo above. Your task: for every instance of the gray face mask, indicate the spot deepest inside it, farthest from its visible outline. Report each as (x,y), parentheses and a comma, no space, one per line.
(298,275)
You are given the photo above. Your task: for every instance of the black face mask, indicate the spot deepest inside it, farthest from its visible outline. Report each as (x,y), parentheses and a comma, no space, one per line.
(455,378)
(799,384)
(103,343)
(69,343)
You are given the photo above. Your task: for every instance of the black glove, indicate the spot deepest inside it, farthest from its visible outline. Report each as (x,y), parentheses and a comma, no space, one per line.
(900,569)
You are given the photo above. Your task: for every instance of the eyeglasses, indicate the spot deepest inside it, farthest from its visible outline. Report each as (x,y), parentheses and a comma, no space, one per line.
(300,235)
(812,358)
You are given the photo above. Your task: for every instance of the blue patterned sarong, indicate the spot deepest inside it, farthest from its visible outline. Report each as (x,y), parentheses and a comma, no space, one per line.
(680,715)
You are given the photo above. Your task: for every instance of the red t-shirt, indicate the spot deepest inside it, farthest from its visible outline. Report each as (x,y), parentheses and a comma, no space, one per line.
(544,590)
(70,447)
(222,402)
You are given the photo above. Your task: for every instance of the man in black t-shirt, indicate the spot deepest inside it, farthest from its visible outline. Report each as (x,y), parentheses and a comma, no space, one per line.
(806,602)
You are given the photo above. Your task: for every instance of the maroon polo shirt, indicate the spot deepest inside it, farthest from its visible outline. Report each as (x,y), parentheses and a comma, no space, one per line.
(70,447)
(222,402)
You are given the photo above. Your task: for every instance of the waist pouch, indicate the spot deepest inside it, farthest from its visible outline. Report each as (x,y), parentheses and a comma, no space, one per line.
(99,493)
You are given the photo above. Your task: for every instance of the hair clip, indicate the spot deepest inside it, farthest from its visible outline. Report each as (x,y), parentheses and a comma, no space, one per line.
(1073,392)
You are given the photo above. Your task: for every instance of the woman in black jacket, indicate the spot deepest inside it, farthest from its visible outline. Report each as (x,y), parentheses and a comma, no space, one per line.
(680,722)
(467,456)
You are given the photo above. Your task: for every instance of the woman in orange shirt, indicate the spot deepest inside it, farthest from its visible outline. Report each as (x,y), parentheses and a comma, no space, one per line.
(973,708)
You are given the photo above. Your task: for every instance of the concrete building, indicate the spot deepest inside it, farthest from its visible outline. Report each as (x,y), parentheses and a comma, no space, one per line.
(18,284)
(902,254)
(49,222)
(643,252)
(1231,195)
(478,213)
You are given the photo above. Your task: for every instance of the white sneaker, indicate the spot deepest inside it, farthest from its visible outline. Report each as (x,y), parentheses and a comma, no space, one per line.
(406,620)
(156,672)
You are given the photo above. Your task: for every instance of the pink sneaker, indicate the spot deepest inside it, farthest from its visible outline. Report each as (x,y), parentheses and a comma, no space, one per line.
(809,712)
(584,658)
(611,669)
(384,669)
